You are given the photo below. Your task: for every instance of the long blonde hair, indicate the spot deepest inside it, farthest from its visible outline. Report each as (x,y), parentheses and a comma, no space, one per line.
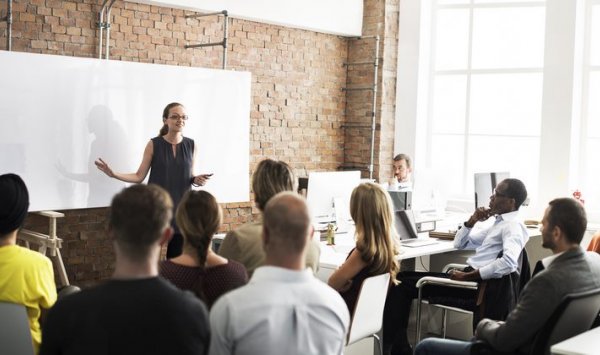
(371,210)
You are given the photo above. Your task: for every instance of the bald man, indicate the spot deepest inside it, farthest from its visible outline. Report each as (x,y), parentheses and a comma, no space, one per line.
(284,308)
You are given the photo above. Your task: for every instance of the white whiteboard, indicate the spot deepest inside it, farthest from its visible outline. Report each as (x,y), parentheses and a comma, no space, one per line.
(58,114)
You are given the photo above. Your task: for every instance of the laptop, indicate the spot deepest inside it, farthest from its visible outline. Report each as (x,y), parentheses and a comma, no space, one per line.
(406,227)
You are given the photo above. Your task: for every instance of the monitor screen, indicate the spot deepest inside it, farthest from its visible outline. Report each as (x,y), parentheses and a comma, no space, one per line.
(401,200)
(326,187)
(485,183)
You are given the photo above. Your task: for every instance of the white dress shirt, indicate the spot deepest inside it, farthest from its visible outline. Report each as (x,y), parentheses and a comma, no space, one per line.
(508,234)
(280,311)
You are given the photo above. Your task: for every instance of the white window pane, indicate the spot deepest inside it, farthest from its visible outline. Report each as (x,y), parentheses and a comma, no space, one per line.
(451,41)
(590,188)
(517,155)
(447,160)
(506,104)
(595,36)
(508,37)
(593,113)
(449,100)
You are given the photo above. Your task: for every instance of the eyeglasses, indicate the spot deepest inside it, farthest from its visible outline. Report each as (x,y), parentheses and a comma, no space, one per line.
(177,117)
(500,194)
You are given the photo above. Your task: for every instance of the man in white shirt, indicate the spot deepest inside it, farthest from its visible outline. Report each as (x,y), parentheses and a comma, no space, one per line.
(570,269)
(284,309)
(402,168)
(497,252)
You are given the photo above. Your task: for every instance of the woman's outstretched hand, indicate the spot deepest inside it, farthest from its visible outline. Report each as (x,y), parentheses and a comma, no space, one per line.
(102,166)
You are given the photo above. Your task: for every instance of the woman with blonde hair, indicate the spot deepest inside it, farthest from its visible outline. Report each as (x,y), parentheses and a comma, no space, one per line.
(376,242)
(199,268)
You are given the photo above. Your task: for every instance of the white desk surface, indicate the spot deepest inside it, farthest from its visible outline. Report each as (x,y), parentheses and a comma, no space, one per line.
(332,256)
(587,343)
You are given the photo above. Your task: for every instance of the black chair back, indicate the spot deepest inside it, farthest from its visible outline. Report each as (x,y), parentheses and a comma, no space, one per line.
(574,315)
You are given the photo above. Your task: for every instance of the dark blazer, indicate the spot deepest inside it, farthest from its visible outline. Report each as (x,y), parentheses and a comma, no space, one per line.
(573,271)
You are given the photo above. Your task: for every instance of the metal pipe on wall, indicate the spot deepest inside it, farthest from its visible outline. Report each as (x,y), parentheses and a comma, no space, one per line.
(107,45)
(225,34)
(8,19)
(373,115)
(101,28)
(104,13)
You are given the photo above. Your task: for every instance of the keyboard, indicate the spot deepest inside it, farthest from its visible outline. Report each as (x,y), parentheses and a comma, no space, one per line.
(418,242)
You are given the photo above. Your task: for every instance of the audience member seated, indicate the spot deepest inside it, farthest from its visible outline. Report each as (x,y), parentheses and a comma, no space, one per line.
(569,270)
(136,312)
(375,251)
(26,276)
(198,268)
(284,309)
(244,244)
(495,264)
(402,169)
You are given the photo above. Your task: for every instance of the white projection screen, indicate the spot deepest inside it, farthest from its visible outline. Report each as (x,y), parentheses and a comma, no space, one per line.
(60,113)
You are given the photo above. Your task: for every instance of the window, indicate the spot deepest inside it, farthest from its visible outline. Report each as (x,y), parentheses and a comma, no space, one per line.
(502,86)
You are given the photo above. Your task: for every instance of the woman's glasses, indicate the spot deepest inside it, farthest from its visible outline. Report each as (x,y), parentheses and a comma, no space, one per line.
(177,117)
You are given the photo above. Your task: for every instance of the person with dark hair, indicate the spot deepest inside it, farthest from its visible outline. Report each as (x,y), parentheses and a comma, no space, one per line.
(199,268)
(495,264)
(26,276)
(244,243)
(169,157)
(402,167)
(136,311)
(569,270)
(284,309)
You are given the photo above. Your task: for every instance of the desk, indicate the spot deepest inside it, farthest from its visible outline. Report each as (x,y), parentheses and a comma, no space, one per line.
(582,344)
(332,256)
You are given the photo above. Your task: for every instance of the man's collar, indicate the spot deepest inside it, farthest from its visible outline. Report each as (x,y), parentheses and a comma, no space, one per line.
(279,274)
(549,259)
(509,216)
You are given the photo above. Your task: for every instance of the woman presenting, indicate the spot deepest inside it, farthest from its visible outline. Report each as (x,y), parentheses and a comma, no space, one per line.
(170,159)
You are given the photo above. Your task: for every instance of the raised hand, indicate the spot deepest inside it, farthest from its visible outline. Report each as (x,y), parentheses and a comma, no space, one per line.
(102,166)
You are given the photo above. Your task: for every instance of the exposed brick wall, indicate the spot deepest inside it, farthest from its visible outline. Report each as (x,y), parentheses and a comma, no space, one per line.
(380,19)
(297,112)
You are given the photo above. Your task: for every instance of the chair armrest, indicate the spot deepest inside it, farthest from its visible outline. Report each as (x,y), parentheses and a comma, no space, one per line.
(454,266)
(440,281)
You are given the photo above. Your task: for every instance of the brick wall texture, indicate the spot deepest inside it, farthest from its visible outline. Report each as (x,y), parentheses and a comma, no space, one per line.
(299,112)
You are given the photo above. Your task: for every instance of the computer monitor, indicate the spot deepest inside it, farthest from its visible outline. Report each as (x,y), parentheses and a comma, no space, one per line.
(485,183)
(325,188)
(402,200)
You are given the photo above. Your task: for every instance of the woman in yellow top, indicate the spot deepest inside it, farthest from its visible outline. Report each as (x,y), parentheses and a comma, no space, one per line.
(26,276)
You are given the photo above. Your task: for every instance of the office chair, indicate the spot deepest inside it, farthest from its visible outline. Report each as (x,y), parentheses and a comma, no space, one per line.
(574,315)
(367,319)
(15,335)
(478,289)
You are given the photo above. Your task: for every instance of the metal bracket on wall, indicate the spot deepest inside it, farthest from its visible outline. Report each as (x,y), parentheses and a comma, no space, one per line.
(8,19)
(373,125)
(225,34)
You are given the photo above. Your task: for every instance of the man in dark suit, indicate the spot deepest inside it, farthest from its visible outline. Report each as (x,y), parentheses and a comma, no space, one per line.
(570,269)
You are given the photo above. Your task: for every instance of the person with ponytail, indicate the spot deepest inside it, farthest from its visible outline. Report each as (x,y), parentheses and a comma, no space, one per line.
(169,157)
(198,268)
(376,247)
